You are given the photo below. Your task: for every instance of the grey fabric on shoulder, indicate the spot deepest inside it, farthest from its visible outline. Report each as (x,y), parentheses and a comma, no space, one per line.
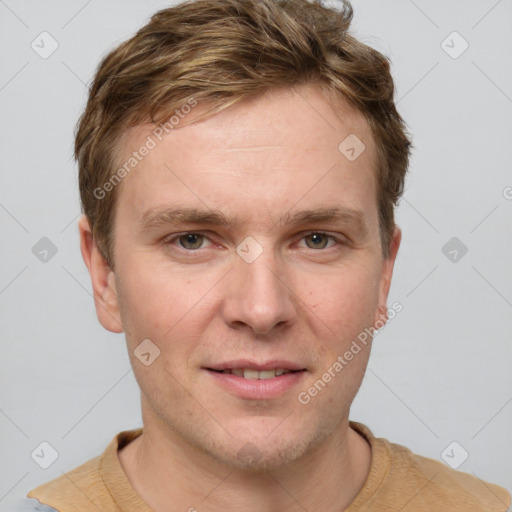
(32,505)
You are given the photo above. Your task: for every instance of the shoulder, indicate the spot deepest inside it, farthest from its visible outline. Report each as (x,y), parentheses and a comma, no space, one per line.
(434,486)
(401,480)
(65,489)
(85,487)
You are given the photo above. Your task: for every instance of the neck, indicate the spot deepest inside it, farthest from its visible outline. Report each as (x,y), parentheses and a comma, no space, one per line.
(170,474)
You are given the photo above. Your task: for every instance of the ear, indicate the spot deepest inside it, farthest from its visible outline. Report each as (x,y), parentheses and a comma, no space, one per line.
(381,315)
(103,279)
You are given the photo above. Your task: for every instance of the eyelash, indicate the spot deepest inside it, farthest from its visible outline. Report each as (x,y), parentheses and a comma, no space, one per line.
(171,241)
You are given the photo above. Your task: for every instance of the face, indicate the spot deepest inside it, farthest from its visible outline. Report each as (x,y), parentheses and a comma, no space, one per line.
(248,242)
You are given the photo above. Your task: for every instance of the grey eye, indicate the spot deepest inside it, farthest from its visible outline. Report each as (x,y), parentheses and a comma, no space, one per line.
(191,240)
(319,240)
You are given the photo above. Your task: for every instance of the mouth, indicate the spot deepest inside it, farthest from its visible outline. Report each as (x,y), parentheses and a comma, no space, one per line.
(252,381)
(253,374)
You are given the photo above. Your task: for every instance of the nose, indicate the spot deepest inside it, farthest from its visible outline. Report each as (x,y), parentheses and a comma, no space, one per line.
(259,296)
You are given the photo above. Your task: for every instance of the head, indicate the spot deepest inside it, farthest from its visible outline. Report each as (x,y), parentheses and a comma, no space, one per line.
(217,145)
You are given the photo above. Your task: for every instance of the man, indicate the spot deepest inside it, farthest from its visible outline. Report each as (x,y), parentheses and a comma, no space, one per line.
(239,165)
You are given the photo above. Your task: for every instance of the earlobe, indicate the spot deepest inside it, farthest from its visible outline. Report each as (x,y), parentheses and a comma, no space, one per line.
(102,279)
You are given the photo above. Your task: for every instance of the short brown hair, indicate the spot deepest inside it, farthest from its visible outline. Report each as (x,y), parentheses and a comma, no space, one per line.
(223,51)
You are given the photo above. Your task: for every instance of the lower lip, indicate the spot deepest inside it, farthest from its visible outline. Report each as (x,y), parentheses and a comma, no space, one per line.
(257,389)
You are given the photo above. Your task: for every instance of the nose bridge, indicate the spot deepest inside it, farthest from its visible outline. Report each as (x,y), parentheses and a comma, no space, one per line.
(258,297)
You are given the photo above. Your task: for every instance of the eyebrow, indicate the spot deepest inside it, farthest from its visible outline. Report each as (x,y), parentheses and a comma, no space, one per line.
(155,218)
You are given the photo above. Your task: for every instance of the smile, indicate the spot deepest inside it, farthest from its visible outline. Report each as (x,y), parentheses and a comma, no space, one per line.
(249,373)
(253,384)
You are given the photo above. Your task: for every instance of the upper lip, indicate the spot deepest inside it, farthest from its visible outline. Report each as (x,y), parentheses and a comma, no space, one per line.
(253,365)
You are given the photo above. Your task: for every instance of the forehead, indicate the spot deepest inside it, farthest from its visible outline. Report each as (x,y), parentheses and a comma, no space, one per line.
(269,152)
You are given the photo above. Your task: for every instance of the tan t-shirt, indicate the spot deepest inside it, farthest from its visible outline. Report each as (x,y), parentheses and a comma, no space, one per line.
(399,480)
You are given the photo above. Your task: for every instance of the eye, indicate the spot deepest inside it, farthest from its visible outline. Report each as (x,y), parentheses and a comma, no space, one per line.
(190,241)
(318,240)
(193,241)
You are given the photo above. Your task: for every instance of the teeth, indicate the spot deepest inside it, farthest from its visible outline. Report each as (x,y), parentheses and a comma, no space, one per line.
(251,374)
(267,374)
(248,373)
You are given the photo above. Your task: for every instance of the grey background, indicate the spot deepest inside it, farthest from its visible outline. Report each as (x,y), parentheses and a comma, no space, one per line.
(439,372)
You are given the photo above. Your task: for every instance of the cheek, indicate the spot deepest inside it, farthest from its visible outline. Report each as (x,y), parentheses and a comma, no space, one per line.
(173,310)
(144,303)
(158,300)
(153,306)
(345,300)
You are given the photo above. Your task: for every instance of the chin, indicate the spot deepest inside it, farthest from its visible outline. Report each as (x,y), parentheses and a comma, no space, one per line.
(257,457)
(263,452)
